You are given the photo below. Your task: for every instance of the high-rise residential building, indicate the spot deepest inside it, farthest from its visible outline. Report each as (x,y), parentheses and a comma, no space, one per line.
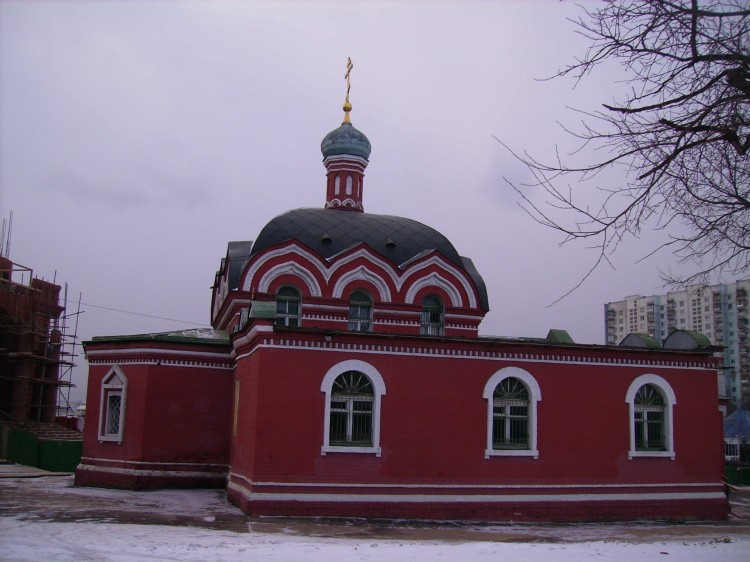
(719,312)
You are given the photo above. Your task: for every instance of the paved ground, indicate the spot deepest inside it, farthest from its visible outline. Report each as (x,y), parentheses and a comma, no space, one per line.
(31,494)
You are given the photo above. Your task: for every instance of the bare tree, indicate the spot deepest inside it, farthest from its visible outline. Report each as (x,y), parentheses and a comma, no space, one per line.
(681,134)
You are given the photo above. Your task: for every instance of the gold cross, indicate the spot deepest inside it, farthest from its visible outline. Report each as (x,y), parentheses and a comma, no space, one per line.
(347,105)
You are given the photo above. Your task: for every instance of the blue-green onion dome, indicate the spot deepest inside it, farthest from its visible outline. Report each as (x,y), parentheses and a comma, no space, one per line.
(345,140)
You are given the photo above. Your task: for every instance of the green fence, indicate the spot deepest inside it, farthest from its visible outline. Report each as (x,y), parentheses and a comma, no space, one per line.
(56,456)
(59,456)
(737,473)
(22,448)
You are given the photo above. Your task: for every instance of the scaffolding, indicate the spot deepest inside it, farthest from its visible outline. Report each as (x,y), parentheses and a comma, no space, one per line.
(68,353)
(37,346)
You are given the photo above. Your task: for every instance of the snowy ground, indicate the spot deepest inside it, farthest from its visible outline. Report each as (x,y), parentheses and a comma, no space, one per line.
(45,519)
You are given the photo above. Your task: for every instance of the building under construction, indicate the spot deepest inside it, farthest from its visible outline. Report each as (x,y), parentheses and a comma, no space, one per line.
(30,345)
(34,366)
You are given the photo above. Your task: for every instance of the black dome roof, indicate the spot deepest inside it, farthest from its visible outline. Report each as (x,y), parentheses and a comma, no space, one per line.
(329,232)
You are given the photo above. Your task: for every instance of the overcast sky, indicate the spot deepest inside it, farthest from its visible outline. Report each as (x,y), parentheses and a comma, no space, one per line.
(138,138)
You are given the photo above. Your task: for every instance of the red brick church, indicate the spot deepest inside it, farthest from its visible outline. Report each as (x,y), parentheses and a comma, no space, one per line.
(345,376)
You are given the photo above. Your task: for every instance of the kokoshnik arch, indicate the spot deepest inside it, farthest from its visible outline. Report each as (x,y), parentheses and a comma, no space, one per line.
(345,376)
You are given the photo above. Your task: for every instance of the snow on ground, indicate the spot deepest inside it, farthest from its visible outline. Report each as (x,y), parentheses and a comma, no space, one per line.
(41,541)
(47,519)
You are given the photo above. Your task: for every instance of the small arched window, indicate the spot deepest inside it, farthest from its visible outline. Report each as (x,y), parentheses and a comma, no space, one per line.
(512,395)
(432,323)
(510,415)
(650,401)
(288,304)
(360,312)
(648,419)
(353,391)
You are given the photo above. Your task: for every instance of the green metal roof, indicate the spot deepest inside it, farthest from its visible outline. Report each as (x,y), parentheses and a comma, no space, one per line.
(207,336)
(638,339)
(558,336)
(686,339)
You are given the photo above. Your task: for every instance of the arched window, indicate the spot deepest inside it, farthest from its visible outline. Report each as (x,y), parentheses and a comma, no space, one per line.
(432,316)
(353,391)
(112,406)
(512,395)
(510,415)
(352,398)
(648,419)
(288,301)
(360,312)
(650,400)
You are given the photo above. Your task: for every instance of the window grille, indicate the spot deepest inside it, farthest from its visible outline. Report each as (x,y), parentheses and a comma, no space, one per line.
(648,419)
(432,316)
(352,399)
(114,402)
(288,301)
(510,420)
(360,312)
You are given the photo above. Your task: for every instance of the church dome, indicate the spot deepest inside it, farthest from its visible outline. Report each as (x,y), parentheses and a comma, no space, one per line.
(345,140)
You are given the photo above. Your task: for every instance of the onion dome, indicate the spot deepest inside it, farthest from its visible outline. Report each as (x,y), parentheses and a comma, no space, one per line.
(346,140)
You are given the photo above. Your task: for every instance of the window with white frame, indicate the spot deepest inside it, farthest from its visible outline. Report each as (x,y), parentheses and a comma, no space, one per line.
(432,320)
(360,312)
(650,401)
(288,304)
(112,406)
(353,390)
(512,395)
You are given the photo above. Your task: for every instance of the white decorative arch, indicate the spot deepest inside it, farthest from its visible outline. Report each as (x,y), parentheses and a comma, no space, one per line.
(535,395)
(292,249)
(290,268)
(378,385)
(363,252)
(670,398)
(434,280)
(437,260)
(361,273)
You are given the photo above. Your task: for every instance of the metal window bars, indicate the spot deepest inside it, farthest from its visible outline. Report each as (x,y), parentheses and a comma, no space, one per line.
(351,412)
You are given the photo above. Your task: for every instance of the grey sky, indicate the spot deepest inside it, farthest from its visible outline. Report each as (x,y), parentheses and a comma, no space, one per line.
(138,138)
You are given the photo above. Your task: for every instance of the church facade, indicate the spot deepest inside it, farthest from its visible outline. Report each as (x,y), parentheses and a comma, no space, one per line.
(345,376)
